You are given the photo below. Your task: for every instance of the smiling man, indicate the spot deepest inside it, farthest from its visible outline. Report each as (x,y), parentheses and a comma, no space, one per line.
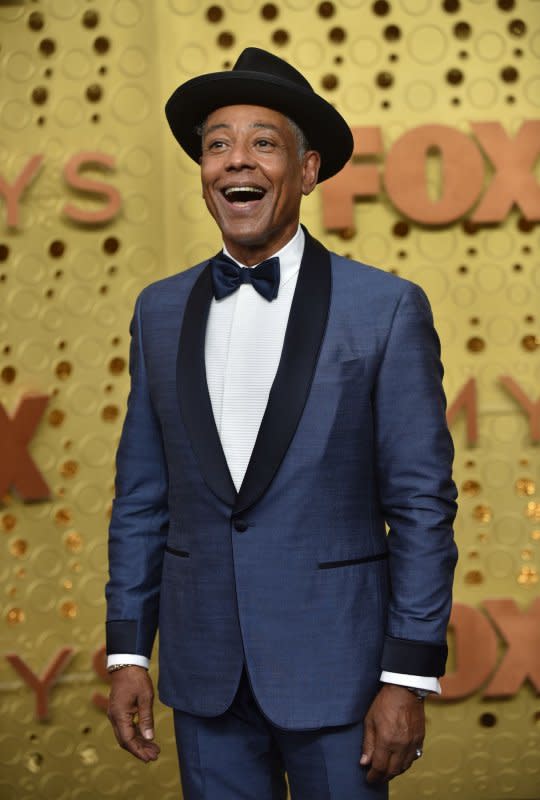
(254,170)
(285,404)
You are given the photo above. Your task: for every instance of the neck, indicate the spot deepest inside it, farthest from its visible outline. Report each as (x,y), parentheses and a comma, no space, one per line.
(251,254)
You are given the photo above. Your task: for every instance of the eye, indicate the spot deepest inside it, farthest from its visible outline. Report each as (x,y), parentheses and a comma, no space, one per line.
(264,143)
(216,144)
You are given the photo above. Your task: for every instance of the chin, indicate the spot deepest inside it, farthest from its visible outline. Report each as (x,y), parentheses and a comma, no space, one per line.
(245,236)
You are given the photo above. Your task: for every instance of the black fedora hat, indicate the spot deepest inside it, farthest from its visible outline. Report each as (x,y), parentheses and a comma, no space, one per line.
(262,79)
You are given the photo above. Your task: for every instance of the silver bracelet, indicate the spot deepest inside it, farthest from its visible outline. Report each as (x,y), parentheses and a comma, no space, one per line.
(420,693)
(116,667)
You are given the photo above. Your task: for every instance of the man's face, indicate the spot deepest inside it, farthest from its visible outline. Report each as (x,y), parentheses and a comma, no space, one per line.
(253,179)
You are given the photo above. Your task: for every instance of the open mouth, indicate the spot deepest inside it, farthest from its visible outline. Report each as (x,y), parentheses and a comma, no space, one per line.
(243,194)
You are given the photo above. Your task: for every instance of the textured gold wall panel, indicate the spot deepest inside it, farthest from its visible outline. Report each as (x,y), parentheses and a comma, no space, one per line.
(78,75)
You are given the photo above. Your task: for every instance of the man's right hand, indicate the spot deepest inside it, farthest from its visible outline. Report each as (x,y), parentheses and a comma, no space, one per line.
(130,712)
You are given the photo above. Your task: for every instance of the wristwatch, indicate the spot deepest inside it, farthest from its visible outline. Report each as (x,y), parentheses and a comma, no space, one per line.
(420,693)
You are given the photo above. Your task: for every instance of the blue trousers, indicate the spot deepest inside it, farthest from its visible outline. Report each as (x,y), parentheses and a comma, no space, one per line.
(240,755)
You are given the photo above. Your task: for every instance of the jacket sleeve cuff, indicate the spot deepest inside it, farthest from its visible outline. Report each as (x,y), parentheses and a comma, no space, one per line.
(413,657)
(121,636)
(411,681)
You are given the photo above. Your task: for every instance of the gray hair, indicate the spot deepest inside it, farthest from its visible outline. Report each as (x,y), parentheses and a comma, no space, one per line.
(302,144)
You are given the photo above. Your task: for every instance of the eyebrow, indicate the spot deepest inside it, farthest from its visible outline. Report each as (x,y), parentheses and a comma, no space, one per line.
(263,125)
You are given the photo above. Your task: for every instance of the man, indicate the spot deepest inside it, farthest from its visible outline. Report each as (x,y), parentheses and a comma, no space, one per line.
(285,403)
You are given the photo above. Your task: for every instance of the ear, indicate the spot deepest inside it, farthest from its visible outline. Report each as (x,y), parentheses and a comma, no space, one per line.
(310,171)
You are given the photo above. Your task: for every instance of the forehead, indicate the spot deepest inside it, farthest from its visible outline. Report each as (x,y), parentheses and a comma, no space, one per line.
(240,116)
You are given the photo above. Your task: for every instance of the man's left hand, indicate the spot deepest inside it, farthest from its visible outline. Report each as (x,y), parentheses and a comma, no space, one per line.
(394,729)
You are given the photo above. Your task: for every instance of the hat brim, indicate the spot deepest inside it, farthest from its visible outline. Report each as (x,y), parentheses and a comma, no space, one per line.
(324,127)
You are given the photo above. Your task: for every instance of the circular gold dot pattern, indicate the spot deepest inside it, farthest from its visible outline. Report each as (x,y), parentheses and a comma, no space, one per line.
(451,6)
(117,365)
(381,8)
(517,27)
(73,542)
(40,95)
(57,248)
(63,516)
(482,513)
(280,36)
(15,616)
(56,417)
(525,487)
(47,46)
(18,548)
(476,344)
(36,21)
(8,374)
(102,44)
(94,92)
(269,11)
(530,343)
(337,34)
(69,469)
(226,39)
(63,370)
(329,81)
(487,720)
(474,577)
(326,9)
(109,413)
(470,488)
(90,18)
(111,245)
(9,522)
(214,14)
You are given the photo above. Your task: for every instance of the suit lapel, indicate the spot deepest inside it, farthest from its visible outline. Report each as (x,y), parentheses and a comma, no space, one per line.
(195,404)
(290,390)
(303,338)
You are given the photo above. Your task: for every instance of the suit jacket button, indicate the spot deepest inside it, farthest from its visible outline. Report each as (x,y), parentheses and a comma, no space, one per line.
(240,525)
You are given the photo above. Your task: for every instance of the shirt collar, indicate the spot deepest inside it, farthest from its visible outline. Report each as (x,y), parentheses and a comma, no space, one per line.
(290,256)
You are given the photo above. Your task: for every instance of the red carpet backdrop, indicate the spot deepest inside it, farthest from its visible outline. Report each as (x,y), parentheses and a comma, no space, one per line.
(97,201)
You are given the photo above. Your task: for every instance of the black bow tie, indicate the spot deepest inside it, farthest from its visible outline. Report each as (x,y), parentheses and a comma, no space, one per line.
(227,276)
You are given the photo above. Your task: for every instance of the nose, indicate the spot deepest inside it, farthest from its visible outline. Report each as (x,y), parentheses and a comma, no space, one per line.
(239,157)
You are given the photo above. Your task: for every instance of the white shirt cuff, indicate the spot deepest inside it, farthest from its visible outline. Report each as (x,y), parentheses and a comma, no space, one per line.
(128,659)
(414,681)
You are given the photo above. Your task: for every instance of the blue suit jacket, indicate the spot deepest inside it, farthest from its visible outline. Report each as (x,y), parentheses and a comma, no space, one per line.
(294,573)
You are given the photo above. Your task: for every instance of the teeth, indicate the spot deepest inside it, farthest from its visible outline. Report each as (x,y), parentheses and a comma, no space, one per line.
(235,189)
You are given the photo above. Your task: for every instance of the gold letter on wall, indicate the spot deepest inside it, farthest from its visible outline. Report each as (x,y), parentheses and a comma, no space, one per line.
(77,181)
(466,399)
(17,468)
(42,685)
(356,179)
(531,407)
(475,652)
(12,192)
(462,171)
(514,180)
(521,631)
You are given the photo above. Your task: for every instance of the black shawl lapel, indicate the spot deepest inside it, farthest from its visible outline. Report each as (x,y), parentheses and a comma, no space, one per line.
(195,404)
(290,389)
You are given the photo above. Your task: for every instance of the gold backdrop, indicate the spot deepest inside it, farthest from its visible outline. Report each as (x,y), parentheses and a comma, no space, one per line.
(92,77)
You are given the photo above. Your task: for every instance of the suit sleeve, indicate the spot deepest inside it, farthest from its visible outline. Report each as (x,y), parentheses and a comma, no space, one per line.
(140,517)
(414,454)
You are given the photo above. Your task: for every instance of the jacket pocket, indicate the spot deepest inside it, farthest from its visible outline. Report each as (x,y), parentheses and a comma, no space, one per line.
(179,553)
(350,561)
